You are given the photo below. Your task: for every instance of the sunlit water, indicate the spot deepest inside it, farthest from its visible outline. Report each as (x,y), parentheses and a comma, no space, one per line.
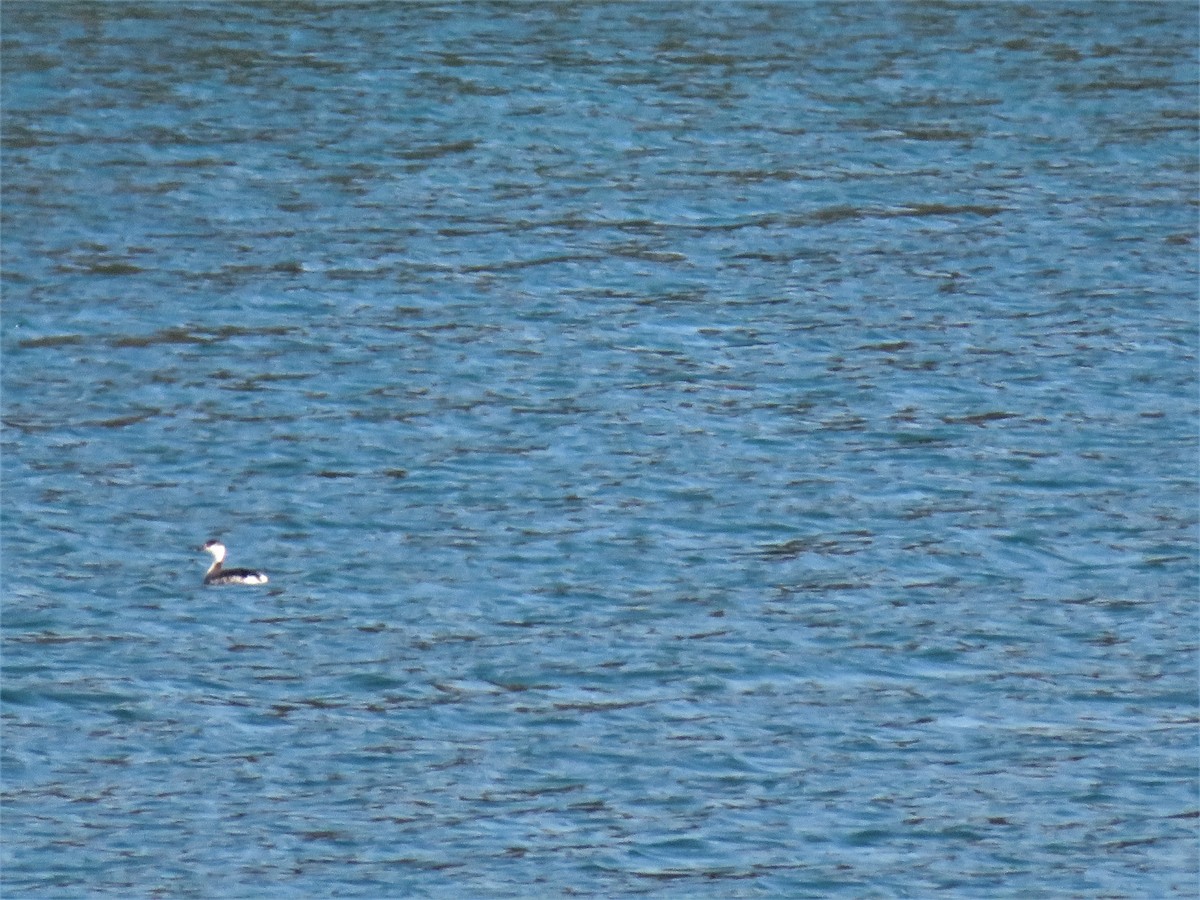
(698,450)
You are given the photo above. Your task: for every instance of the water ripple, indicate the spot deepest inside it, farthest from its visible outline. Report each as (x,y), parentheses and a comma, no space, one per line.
(747,452)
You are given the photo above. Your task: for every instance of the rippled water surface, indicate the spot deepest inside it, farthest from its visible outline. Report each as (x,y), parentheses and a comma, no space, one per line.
(698,450)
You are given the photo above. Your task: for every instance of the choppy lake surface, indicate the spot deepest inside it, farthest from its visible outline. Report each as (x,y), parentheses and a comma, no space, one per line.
(698,450)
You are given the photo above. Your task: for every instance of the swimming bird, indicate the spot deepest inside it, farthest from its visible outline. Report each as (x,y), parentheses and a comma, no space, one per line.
(217,575)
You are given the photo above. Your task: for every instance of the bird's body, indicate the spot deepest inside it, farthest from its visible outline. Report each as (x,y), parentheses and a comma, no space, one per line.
(218,575)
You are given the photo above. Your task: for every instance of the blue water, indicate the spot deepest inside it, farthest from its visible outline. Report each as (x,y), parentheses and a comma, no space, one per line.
(698,450)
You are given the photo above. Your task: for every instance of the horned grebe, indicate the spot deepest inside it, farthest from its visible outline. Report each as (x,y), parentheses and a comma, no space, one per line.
(217,575)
